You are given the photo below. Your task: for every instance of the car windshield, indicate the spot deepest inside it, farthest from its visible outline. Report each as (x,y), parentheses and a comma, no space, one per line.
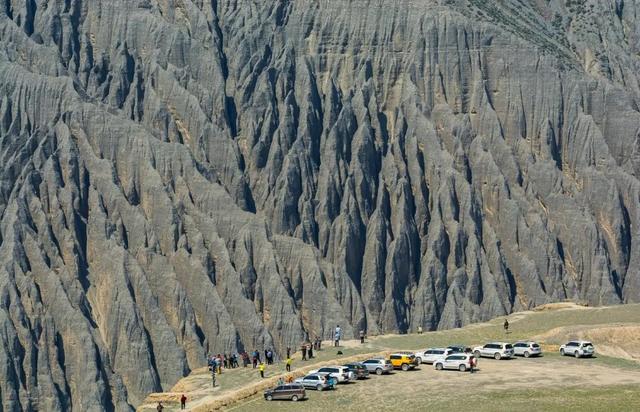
(535,345)
(587,344)
(508,346)
(387,362)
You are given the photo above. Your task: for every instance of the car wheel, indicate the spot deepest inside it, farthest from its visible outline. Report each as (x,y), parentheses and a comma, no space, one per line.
(496,356)
(405,367)
(269,397)
(419,360)
(319,388)
(439,366)
(462,368)
(476,354)
(378,371)
(576,354)
(527,354)
(562,352)
(294,398)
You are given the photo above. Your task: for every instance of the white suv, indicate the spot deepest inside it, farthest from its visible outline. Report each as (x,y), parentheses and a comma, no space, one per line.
(527,349)
(432,354)
(341,373)
(495,350)
(578,348)
(457,361)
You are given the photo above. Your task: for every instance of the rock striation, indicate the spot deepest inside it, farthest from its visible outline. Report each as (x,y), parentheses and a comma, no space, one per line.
(183,177)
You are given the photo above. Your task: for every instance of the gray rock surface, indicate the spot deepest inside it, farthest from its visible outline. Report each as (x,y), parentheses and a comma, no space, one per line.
(182,177)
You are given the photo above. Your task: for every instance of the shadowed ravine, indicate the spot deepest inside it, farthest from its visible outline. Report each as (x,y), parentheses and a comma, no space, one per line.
(182,177)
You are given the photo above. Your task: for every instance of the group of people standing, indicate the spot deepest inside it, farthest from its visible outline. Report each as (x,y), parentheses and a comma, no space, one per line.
(306,349)
(229,361)
(262,367)
(269,356)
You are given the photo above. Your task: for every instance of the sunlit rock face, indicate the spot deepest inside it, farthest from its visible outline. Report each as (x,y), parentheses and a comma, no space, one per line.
(185,177)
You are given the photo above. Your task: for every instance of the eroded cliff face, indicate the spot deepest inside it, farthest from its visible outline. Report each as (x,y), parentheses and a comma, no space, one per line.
(182,177)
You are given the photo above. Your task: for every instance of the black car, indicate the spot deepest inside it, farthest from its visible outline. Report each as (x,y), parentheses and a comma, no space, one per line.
(291,391)
(358,369)
(459,349)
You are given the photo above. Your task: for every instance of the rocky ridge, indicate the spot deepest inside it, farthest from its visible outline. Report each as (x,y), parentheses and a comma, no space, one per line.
(183,177)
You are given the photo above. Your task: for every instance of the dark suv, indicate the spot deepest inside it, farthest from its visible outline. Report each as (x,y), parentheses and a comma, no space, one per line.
(291,391)
(459,349)
(358,369)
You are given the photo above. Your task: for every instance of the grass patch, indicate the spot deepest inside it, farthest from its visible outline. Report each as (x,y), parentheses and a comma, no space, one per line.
(625,398)
(572,399)
(521,327)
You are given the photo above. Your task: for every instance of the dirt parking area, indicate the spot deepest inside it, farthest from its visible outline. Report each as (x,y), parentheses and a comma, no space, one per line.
(414,389)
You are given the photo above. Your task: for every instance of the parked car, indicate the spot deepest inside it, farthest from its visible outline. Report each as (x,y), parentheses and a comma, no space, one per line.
(403,361)
(378,366)
(406,352)
(496,350)
(358,369)
(459,348)
(457,361)
(432,354)
(527,349)
(578,348)
(331,380)
(314,381)
(291,391)
(339,372)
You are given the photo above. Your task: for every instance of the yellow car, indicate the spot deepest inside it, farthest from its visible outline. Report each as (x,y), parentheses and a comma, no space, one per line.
(404,361)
